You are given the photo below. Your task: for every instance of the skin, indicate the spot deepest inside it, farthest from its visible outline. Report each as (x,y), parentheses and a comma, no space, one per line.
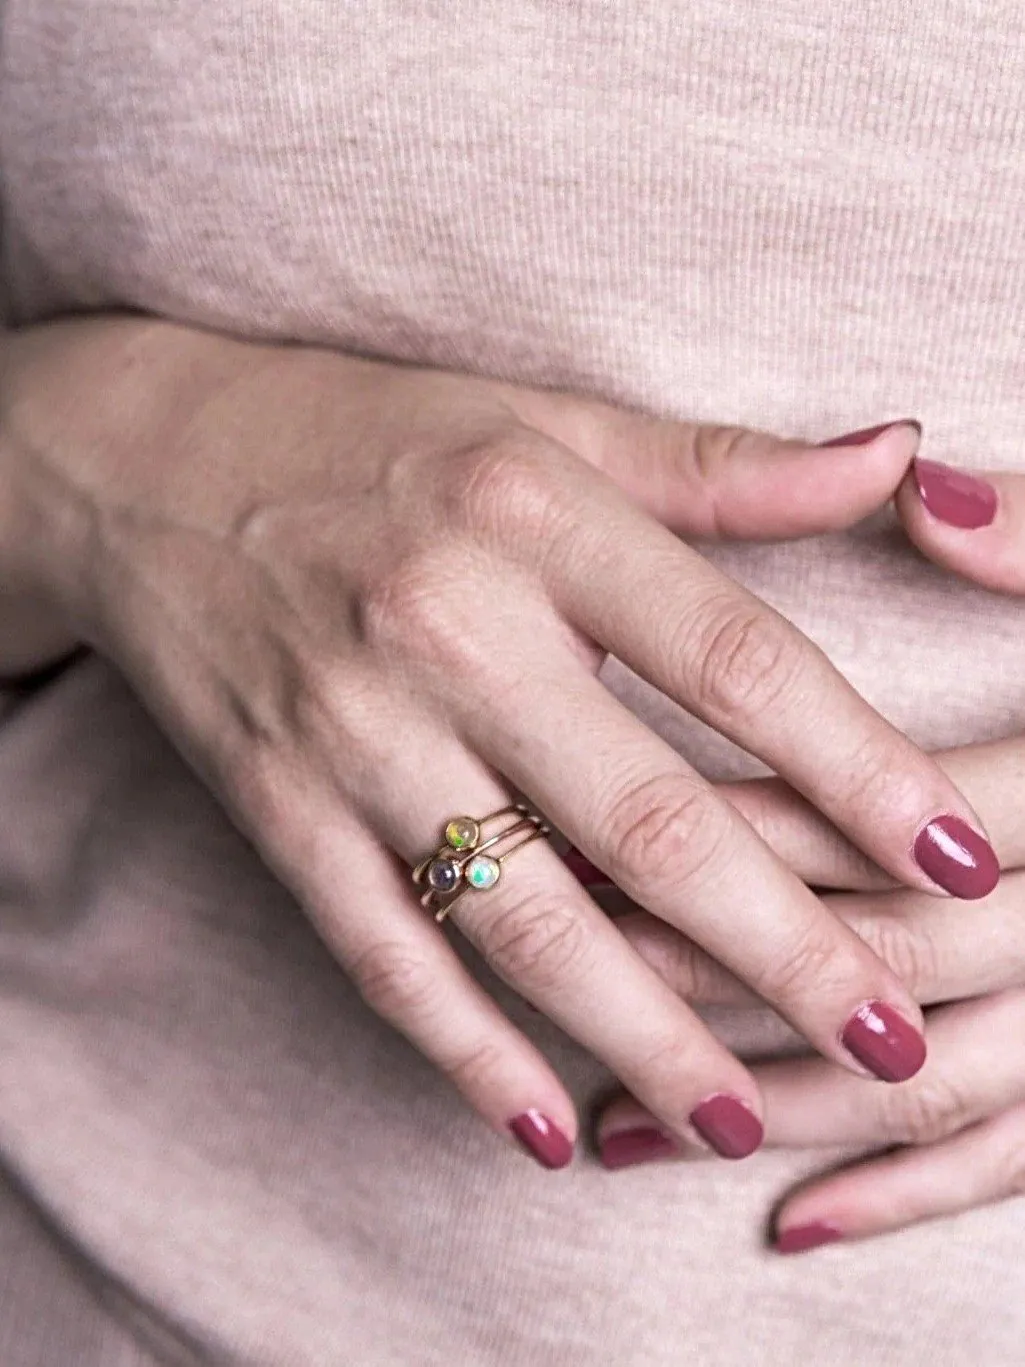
(959,1126)
(362,598)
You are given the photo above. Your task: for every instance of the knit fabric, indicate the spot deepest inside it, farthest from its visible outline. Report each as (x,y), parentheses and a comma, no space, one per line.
(798,217)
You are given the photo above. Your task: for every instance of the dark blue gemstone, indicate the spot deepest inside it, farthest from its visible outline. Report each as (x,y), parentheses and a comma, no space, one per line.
(443,875)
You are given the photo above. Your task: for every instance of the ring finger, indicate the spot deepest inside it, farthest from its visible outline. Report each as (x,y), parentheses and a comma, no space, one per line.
(625,798)
(537,928)
(542,934)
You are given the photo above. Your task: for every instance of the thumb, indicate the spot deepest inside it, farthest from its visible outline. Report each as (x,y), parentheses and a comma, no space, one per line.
(708,481)
(971,524)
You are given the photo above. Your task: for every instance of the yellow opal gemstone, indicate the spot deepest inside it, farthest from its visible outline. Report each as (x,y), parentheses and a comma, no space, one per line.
(462,833)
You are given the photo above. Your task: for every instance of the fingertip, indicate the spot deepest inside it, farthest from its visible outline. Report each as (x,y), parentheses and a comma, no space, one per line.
(779,488)
(865,468)
(547,1142)
(969,523)
(866,436)
(877,457)
(885,1041)
(805,1236)
(632,1147)
(729,1125)
(958,858)
(954,497)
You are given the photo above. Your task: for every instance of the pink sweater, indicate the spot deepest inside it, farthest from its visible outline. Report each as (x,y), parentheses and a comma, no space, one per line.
(806,218)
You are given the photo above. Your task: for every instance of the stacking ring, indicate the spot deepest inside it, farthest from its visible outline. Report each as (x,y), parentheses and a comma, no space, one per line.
(460,865)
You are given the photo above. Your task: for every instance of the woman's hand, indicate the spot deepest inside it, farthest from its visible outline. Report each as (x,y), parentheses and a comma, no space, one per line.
(960,1124)
(364,598)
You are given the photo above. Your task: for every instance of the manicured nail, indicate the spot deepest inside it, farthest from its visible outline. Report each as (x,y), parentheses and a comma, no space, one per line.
(727,1124)
(641,1145)
(954,497)
(959,859)
(868,434)
(801,1238)
(542,1139)
(582,869)
(882,1040)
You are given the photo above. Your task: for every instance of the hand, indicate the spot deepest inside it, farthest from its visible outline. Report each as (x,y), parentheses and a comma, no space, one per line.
(960,1124)
(363,598)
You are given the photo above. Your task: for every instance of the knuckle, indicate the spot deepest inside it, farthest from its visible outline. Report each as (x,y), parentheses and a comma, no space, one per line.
(880,779)
(505,489)
(663,1063)
(394,982)
(474,1070)
(749,660)
(926,1112)
(692,973)
(423,606)
(662,831)
(678,961)
(536,943)
(703,979)
(807,963)
(715,447)
(909,950)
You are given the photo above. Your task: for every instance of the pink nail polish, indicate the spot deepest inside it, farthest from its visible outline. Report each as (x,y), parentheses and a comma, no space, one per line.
(641,1145)
(542,1139)
(582,869)
(954,497)
(801,1238)
(728,1125)
(881,1039)
(959,859)
(868,434)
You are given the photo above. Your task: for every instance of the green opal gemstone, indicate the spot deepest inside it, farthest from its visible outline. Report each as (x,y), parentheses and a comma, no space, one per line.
(482,871)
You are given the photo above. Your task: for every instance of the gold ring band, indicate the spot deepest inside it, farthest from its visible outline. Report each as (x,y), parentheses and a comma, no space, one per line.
(460,865)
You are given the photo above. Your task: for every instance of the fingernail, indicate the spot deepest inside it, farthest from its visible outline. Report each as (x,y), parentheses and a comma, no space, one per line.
(641,1145)
(958,858)
(801,1238)
(881,1039)
(728,1125)
(581,868)
(868,434)
(954,497)
(542,1139)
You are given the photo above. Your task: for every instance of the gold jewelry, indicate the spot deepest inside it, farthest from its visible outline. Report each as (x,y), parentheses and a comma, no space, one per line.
(460,865)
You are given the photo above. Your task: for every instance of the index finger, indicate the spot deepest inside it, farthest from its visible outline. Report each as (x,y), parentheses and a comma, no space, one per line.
(740,666)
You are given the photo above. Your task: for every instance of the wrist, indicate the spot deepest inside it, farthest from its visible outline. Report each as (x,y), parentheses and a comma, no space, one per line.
(93,462)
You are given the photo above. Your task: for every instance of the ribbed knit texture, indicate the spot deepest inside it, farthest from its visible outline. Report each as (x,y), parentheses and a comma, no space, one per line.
(801,217)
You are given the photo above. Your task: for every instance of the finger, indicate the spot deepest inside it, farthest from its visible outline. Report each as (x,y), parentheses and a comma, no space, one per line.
(803,838)
(972,524)
(635,808)
(980,1165)
(538,930)
(715,481)
(938,951)
(976,1067)
(991,776)
(363,906)
(634,588)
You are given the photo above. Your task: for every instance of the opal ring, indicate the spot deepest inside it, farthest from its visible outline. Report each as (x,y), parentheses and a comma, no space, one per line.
(462,863)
